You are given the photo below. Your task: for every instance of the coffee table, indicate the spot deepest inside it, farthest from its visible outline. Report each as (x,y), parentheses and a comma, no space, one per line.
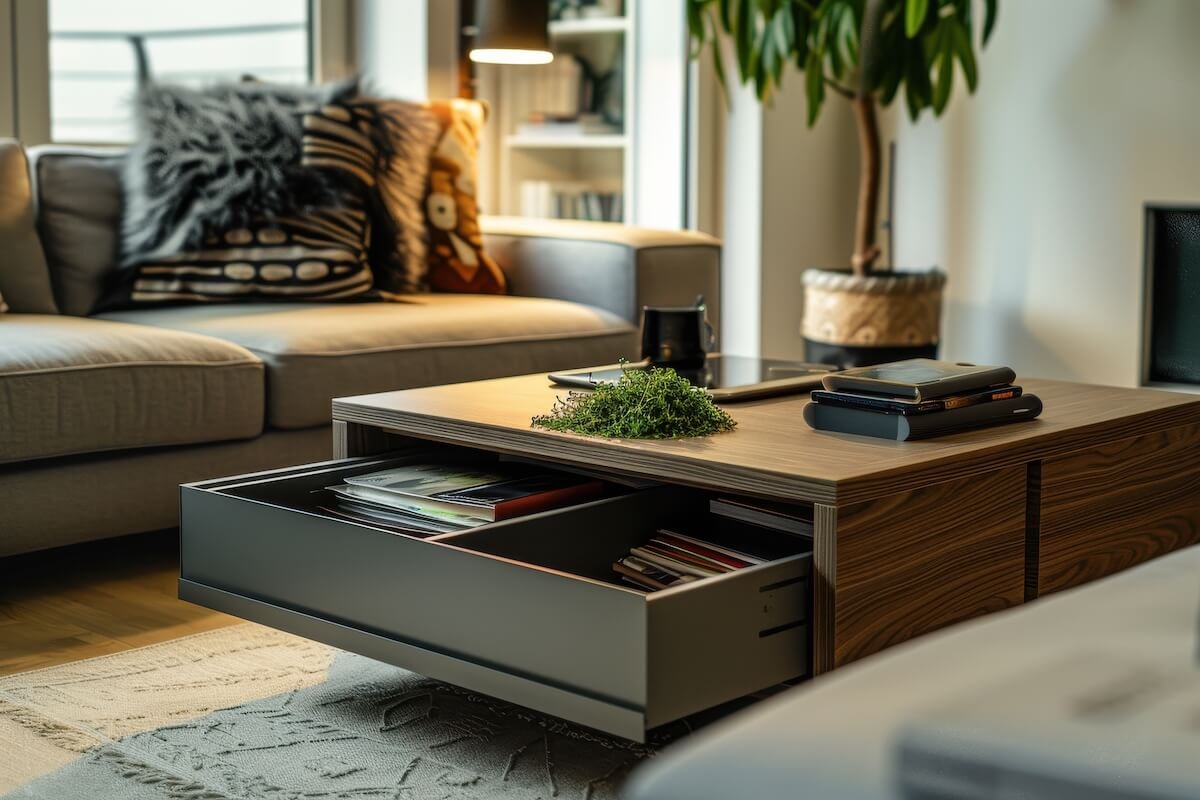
(909,537)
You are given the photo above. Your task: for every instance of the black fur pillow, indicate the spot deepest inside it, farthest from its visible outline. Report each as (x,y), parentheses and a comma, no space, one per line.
(211,160)
(311,245)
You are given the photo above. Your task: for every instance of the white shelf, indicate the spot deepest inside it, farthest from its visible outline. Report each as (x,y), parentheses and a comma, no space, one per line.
(610,141)
(563,28)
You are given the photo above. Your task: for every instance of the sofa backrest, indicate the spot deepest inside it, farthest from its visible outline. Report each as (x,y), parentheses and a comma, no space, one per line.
(77,201)
(24,277)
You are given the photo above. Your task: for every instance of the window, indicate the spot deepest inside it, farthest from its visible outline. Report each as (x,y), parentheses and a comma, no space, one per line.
(94,52)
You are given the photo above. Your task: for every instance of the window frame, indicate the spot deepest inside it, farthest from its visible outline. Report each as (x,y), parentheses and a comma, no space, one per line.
(25,28)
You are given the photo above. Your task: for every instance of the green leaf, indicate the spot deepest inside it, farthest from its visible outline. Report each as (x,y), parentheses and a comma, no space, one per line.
(945,70)
(960,42)
(726,14)
(912,101)
(744,38)
(989,19)
(785,37)
(801,24)
(768,62)
(814,84)
(914,16)
(696,31)
(917,89)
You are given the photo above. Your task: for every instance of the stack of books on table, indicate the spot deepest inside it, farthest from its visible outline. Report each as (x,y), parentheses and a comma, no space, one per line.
(918,398)
(428,499)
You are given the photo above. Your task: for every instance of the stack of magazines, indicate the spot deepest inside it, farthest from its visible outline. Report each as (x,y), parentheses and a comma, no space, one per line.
(671,558)
(733,535)
(428,499)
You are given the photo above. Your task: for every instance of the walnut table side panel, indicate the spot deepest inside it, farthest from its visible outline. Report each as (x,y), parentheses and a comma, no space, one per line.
(1112,506)
(916,561)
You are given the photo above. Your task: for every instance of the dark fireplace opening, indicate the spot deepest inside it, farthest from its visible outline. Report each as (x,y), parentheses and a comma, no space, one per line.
(1172,324)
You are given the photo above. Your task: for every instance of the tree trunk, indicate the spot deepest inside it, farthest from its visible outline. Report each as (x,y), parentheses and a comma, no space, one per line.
(865,249)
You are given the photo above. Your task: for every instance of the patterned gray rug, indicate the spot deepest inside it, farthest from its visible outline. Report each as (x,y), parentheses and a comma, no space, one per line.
(303,721)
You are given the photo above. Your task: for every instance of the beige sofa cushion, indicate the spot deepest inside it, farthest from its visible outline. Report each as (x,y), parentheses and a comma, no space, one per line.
(24,276)
(75,385)
(78,200)
(315,352)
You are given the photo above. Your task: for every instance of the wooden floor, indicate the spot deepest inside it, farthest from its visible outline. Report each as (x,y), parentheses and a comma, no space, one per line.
(93,599)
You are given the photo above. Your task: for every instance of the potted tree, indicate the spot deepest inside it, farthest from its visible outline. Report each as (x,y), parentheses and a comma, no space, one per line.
(867,52)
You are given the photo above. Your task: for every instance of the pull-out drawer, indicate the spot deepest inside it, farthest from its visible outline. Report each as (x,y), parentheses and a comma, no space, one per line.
(525,609)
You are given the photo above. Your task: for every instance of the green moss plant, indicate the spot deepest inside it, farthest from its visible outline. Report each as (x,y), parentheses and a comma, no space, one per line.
(653,403)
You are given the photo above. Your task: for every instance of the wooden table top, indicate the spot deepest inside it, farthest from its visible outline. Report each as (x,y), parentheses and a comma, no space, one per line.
(772,453)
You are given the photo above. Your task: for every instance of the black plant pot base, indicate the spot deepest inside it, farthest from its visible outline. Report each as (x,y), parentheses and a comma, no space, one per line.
(846,356)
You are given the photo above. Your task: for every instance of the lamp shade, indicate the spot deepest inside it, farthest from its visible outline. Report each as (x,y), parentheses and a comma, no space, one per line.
(512,32)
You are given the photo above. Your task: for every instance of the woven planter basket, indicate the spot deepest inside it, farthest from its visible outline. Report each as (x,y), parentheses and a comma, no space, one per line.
(891,309)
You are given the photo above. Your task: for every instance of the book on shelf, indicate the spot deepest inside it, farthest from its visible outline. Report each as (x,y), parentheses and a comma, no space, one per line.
(438,498)
(569,200)
(581,126)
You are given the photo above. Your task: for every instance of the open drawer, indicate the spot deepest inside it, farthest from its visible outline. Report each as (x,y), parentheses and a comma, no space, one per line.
(525,609)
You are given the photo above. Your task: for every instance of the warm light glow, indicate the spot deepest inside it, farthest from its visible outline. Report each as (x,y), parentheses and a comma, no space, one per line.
(490,56)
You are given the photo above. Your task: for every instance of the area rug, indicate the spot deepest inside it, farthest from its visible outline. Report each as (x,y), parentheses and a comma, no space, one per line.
(249,712)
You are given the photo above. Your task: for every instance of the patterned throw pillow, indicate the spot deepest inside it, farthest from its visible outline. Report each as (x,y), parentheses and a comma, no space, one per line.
(406,133)
(321,254)
(213,160)
(457,261)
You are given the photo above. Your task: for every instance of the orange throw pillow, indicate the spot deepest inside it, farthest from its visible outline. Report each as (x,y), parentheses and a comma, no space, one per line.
(457,261)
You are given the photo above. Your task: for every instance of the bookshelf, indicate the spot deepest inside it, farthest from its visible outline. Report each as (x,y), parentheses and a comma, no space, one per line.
(559,172)
(580,142)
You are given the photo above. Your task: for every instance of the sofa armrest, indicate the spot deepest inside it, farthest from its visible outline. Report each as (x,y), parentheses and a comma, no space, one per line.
(619,268)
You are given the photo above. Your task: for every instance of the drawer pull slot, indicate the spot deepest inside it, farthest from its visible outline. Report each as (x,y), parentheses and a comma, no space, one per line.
(787,626)
(770,587)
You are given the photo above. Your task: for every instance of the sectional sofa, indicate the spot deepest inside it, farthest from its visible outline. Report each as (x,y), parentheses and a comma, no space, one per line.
(101,417)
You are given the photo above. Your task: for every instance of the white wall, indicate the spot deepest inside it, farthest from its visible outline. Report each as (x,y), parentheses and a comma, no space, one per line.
(393,47)
(1030,193)
(659,100)
(810,183)
(788,205)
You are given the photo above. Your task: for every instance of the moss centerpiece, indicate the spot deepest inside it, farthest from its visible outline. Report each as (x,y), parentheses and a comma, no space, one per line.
(654,403)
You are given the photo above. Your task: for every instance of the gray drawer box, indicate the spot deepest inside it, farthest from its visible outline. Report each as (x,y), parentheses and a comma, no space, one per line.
(519,609)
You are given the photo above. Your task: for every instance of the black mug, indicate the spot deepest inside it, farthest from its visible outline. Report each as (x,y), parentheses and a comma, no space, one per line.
(680,336)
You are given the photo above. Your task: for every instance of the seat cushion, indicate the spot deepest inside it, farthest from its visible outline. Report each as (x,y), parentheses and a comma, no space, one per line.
(75,385)
(315,352)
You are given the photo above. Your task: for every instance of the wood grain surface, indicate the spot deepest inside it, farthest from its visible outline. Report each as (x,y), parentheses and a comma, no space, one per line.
(94,599)
(917,561)
(773,453)
(824,587)
(1115,505)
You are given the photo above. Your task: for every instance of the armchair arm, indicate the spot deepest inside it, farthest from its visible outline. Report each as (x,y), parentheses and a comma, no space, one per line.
(619,268)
